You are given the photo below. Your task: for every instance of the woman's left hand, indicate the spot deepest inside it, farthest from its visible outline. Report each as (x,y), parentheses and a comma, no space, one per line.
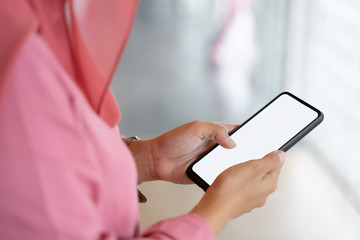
(168,156)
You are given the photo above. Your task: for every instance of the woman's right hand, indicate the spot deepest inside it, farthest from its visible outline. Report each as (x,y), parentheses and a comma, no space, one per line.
(240,189)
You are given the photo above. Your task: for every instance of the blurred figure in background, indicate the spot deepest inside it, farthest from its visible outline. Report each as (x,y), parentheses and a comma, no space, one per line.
(65,172)
(234,55)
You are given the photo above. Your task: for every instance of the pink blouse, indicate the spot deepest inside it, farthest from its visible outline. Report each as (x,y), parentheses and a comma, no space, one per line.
(64,174)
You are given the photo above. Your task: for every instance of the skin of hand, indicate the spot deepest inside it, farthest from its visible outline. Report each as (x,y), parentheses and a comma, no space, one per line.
(168,156)
(240,189)
(236,191)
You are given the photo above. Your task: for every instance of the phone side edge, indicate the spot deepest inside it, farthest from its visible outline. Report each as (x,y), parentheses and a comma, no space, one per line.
(196,178)
(303,132)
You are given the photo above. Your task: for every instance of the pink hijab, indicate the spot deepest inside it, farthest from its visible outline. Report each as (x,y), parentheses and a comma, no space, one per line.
(88,41)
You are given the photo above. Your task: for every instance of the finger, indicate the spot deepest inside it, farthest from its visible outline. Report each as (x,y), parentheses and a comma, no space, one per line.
(270,180)
(275,161)
(230,127)
(272,161)
(220,133)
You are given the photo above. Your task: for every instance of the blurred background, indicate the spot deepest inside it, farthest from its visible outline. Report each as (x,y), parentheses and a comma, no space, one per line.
(221,60)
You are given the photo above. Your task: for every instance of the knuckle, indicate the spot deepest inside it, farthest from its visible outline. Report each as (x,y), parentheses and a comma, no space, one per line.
(256,165)
(221,127)
(196,123)
(273,158)
(252,163)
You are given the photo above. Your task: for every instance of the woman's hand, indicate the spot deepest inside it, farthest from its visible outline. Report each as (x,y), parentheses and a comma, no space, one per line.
(240,189)
(237,190)
(168,156)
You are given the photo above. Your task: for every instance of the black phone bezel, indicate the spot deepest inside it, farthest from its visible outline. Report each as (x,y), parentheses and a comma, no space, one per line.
(202,184)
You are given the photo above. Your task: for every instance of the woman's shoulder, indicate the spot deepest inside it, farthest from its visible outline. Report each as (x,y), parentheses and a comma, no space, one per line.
(38,76)
(41,100)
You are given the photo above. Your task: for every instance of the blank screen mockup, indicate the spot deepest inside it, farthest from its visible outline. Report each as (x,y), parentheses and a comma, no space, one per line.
(268,131)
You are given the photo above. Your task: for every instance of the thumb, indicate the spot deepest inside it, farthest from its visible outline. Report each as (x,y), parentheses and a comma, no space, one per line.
(220,133)
(273,162)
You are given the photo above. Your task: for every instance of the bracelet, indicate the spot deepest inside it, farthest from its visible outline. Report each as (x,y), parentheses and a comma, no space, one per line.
(141,197)
(130,139)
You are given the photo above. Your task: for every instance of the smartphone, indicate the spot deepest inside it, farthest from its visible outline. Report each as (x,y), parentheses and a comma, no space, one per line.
(277,126)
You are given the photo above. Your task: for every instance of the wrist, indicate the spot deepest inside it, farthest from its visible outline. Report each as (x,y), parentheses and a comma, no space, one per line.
(214,212)
(141,151)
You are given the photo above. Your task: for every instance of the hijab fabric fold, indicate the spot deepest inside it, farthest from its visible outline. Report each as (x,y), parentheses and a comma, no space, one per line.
(88,43)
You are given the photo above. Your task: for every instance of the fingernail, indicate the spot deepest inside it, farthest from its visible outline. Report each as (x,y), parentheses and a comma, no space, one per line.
(281,155)
(232,142)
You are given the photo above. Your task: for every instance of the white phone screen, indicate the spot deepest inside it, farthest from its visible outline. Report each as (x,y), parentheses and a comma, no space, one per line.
(268,131)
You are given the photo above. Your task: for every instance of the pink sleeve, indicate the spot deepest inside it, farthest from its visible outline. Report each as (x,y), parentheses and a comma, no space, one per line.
(188,227)
(185,227)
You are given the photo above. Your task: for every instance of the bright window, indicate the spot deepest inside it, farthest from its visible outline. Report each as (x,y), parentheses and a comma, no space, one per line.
(312,48)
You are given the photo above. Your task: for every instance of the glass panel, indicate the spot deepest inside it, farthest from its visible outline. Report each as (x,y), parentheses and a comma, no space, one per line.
(333,80)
